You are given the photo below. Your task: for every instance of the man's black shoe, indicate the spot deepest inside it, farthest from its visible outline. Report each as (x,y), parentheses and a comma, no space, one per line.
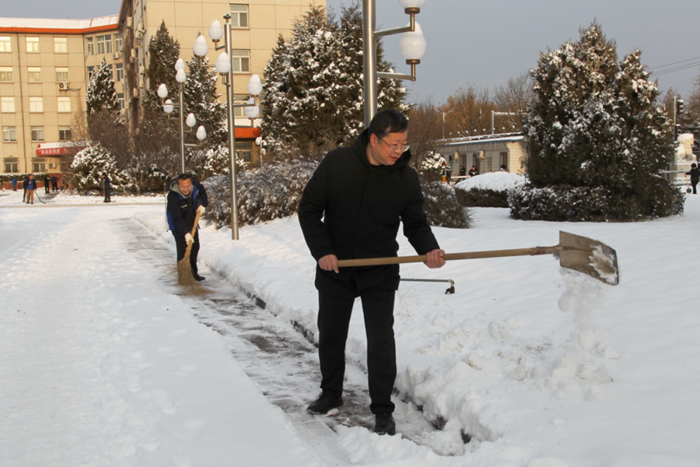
(197,277)
(384,424)
(323,404)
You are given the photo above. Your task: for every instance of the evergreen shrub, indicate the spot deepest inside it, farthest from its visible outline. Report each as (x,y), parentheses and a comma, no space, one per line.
(442,208)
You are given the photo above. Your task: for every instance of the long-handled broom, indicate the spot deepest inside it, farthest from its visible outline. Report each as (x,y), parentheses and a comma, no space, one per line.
(184,268)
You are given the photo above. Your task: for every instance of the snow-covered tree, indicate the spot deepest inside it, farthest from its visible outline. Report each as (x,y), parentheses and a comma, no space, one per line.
(594,124)
(90,164)
(163,52)
(201,99)
(101,94)
(314,84)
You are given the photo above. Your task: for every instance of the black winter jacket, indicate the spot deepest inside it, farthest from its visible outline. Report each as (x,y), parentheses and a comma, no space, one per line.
(352,209)
(182,209)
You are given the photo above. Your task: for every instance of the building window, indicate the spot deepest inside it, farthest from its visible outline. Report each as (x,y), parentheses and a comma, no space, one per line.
(5,74)
(111,73)
(244,150)
(11,167)
(64,133)
(5,44)
(120,72)
(104,44)
(37,134)
(39,166)
(62,75)
(240,99)
(36,104)
(90,46)
(118,42)
(60,45)
(32,45)
(91,72)
(9,134)
(34,75)
(241,61)
(239,16)
(120,100)
(64,104)
(7,104)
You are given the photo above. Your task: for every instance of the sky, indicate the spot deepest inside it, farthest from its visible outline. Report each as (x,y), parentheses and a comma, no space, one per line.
(485,43)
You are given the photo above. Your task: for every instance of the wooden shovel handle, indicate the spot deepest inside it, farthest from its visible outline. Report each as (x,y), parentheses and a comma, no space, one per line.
(196,221)
(546,250)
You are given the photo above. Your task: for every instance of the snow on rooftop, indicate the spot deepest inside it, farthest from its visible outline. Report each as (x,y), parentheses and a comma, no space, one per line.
(52,23)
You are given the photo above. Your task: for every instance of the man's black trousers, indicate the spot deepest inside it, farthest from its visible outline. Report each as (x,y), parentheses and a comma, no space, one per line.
(182,247)
(333,322)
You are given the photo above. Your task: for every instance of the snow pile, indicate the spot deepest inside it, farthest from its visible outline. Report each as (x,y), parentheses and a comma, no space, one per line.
(496,181)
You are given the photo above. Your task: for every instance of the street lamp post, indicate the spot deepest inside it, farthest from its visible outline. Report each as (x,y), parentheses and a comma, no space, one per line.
(224,66)
(168,108)
(412,48)
(443,122)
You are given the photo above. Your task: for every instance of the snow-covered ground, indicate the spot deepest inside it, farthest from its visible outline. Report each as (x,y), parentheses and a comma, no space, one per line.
(105,361)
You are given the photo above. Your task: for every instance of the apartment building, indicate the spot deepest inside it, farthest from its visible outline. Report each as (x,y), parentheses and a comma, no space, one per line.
(45,67)
(44,71)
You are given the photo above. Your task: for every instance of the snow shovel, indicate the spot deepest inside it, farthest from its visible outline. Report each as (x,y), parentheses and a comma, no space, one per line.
(574,251)
(184,269)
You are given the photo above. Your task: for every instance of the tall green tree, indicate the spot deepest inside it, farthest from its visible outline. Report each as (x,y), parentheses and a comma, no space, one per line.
(595,125)
(163,53)
(314,87)
(101,94)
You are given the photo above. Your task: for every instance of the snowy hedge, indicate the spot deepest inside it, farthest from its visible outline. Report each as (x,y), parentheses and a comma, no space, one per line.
(266,193)
(442,207)
(274,191)
(489,190)
(597,204)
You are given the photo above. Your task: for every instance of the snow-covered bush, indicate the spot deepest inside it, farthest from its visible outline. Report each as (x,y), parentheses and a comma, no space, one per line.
(90,164)
(441,206)
(489,190)
(433,164)
(592,204)
(594,128)
(270,192)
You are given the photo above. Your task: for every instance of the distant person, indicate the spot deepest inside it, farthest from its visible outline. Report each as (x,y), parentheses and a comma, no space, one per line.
(107,187)
(448,174)
(694,176)
(31,188)
(14,184)
(504,168)
(47,184)
(462,171)
(54,183)
(25,182)
(186,197)
(473,171)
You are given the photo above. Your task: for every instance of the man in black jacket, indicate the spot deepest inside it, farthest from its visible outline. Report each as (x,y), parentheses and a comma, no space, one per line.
(186,197)
(351,208)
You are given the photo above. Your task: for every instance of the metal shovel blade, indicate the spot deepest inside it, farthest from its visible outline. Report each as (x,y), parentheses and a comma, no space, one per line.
(589,256)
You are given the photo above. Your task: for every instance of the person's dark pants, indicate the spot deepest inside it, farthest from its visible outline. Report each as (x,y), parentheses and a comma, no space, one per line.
(108,193)
(24,195)
(695,186)
(46,188)
(333,322)
(182,247)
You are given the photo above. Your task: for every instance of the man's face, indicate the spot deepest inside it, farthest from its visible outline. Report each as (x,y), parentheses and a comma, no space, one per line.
(387,149)
(185,186)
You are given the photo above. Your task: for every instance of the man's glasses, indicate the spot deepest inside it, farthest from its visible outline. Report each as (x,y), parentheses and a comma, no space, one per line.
(396,147)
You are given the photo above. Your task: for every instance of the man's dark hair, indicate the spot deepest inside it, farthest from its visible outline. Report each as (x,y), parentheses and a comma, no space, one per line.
(184,177)
(388,121)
